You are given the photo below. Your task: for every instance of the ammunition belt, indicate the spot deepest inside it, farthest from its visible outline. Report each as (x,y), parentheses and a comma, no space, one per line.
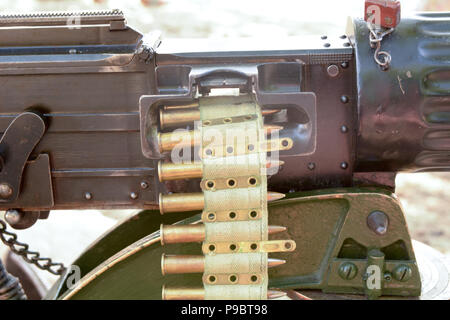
(233,155)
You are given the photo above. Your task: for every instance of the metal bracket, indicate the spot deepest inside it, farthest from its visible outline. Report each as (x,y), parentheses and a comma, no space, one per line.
(16,145)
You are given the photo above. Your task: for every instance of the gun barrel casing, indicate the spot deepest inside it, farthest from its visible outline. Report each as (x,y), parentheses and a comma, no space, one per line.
(177,264)
(183,293)
(195,233)
(171,171)
(183,202)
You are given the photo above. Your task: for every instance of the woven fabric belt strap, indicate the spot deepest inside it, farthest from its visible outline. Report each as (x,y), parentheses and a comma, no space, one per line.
(234,184)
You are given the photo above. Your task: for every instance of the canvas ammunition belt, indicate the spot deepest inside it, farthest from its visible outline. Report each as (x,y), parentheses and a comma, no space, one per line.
(233,155)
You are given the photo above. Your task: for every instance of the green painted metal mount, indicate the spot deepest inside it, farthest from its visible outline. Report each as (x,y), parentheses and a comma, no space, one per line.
(339,250)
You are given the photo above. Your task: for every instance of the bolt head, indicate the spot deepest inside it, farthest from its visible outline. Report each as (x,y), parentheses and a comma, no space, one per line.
(311,166)
(144,184)
(402,273)
(333,70)
(6,190)
(387,276)
(348,271)
(13,217)
(378,222)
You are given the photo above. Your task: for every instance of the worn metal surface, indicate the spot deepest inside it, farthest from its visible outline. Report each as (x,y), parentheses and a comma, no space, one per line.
(404,112)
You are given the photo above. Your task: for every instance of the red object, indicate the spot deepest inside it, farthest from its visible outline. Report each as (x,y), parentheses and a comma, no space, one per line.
(383,12)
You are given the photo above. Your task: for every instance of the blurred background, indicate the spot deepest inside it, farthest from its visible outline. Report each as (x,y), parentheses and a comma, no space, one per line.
(66,234)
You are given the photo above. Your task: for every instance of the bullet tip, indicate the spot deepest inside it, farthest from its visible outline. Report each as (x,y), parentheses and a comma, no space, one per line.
(273,196)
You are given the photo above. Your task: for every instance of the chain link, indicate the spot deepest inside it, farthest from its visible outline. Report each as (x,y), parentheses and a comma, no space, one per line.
(376,35)
(33,257)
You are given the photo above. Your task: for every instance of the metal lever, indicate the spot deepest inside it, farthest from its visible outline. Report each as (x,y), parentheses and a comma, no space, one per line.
(16,145)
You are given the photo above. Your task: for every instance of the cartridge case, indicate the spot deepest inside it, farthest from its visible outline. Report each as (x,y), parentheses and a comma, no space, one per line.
(182,233)
(181,202)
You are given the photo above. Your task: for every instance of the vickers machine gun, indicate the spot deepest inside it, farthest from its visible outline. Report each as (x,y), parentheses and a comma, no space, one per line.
(202,135)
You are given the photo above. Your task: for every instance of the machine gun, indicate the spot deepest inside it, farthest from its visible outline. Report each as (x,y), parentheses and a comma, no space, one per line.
(93,117)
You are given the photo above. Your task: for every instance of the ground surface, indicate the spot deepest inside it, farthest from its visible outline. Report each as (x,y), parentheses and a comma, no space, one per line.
(425,197)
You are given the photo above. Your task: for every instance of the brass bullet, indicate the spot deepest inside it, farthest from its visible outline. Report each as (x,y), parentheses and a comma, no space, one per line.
(272,263)
(176,264)
(185,138)
(183,293)
(183,202)
(171,171)
(182,233)
(178,116)
(194,233)
(276,229)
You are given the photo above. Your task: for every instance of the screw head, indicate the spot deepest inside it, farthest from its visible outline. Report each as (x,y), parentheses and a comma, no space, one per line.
(348,271)
(402,273)
(88,196)
(6,190)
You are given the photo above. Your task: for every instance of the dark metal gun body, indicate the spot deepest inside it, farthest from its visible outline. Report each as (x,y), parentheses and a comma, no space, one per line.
(86,83)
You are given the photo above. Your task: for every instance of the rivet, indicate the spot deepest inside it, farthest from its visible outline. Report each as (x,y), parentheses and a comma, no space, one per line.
(133,195)
(88,196)
(333,70)
(344,165)
(5,190)
(344,99)
(311,166)
(344,65)
(144,184)
(344,129)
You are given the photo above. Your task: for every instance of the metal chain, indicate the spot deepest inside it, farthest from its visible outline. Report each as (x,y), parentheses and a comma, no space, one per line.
(33,257)
(382,58)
